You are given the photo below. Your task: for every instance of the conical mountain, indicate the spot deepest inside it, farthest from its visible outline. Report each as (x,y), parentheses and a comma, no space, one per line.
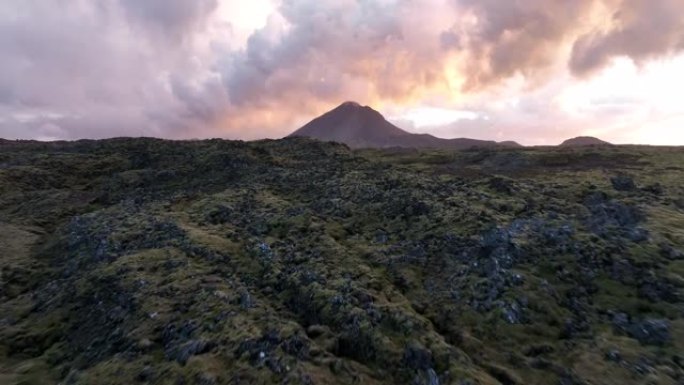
(362,127)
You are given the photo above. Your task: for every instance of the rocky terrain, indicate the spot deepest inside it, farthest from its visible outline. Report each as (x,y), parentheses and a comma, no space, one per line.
(142,261)
(360,126)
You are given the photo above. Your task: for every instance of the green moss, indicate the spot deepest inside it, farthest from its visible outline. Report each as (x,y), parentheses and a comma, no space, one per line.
(117,254)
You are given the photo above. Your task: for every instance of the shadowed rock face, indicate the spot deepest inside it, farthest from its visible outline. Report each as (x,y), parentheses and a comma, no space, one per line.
(581,141)
(362,127)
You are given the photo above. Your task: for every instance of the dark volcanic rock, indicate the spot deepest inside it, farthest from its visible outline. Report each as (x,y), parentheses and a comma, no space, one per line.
(647,332)
(192,348)
(651,332)
(501,185)
(417,358)
(679,202)
(607,213)
(670,252)
(146,374)
(655,189)
(623,183)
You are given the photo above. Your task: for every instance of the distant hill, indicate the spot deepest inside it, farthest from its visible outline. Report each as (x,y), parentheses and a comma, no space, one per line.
(582,141)
(362,127)
(510,143)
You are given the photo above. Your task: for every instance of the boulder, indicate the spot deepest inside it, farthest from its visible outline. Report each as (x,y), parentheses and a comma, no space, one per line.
(651,332)
(416,357)
(623,183)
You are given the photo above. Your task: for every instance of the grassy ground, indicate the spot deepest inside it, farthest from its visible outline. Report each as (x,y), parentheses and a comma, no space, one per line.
(293,261)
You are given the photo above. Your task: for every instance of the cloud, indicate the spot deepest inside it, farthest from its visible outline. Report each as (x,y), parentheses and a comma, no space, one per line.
(324,50)
(625,104)
(500,40)
(178,68)
(639,29)
(169,18)
(106,68)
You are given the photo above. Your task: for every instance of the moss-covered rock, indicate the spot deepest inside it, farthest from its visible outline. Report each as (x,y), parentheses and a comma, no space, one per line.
(294,261)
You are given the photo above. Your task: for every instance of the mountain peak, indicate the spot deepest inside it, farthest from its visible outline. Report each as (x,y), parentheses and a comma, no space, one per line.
(354,107)
(354,125)
(350,103)
(363,127)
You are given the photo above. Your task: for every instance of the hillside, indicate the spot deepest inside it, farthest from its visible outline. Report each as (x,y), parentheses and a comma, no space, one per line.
(362,127)
(581,141)
(143,261)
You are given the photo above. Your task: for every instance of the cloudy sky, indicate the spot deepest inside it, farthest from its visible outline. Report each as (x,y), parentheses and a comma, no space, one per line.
(535,71)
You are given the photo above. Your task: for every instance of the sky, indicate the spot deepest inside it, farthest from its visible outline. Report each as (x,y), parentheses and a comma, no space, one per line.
(533,71)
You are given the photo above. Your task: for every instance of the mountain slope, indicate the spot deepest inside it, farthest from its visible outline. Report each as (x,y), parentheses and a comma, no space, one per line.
(362,127)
